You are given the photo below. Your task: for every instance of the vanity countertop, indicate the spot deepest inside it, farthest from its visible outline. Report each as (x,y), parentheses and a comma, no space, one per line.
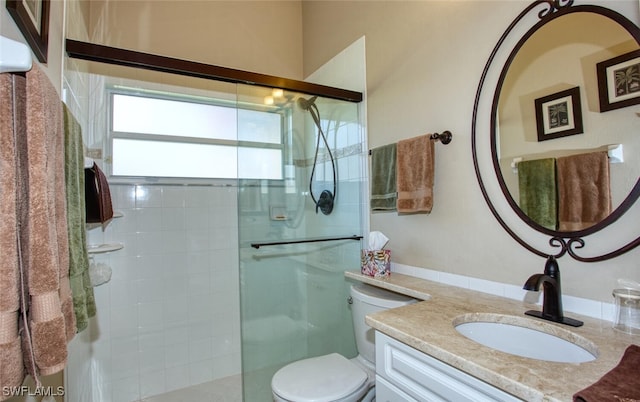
(427,326)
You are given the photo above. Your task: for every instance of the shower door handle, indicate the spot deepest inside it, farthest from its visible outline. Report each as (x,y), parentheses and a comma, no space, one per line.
(278,243)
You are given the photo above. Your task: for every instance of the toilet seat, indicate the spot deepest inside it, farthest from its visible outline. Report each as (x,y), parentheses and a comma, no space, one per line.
(325,378)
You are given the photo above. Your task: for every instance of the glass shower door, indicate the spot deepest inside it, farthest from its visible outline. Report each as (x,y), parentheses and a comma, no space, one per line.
(293,293)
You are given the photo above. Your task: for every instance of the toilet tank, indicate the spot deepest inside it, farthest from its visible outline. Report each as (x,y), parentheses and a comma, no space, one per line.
(369,300)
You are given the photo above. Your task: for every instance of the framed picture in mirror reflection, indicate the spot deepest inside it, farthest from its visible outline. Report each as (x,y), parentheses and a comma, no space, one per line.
(559,114)
(619,81)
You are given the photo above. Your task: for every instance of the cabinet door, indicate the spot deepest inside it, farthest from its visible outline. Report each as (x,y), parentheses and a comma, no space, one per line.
(425,378)
(386,392)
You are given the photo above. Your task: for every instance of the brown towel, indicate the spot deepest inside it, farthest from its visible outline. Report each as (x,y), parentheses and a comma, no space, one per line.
(584,195)
(97,196)
(44,236)
(621,384)
(11,366)
(414,174)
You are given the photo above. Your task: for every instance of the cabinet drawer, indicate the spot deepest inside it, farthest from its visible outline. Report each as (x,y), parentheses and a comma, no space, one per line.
(427,379)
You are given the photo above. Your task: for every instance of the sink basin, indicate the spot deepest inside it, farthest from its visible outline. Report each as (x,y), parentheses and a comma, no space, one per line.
(526,337)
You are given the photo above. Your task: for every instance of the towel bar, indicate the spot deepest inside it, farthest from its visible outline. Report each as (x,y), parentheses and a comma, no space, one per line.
(445,137)
(614,151)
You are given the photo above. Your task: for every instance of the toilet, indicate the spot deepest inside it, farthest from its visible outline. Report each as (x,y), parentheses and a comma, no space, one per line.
(333,377)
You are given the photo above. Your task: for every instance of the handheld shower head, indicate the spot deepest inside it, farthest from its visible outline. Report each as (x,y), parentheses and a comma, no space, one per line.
(305,104)
(326,200)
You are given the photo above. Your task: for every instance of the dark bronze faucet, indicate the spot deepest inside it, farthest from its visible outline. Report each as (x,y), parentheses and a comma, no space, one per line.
(552,298)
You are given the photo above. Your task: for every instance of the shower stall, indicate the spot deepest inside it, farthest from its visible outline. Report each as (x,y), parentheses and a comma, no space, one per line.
(297,236)
(219,277)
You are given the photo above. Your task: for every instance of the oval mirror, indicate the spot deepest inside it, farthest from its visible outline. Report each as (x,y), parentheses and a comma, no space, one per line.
(549,123)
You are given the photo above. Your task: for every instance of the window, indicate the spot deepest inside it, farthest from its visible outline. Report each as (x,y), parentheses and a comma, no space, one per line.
(175,136)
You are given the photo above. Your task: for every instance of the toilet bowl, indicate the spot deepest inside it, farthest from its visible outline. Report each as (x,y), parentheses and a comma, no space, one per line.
(333,377)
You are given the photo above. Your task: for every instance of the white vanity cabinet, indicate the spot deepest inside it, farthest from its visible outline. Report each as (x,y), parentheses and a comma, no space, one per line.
(406,374)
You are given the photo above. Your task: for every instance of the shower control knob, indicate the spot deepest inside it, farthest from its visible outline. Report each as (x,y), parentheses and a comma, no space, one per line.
(325,203)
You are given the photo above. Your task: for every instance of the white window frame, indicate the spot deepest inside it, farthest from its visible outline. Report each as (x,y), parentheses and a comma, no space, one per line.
(235,144)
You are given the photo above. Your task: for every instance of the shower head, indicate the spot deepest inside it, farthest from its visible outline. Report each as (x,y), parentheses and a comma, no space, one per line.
(327,199)
(305,104)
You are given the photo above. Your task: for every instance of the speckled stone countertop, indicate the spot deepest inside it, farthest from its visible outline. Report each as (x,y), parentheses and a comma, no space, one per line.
(429,327)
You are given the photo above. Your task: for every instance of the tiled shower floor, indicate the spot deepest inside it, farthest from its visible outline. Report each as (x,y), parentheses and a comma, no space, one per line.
(227,389)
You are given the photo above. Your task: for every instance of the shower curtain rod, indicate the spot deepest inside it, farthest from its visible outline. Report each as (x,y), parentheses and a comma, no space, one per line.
(129,58)
(314,240)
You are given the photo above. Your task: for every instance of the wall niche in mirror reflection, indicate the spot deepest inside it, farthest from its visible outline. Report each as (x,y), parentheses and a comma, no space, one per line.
(554,75)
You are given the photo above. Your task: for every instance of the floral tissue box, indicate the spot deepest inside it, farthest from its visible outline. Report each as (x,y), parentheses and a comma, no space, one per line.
(376,263)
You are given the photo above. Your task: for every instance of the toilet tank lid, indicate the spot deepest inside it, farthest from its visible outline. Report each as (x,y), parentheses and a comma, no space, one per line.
(379,297)
(324,378)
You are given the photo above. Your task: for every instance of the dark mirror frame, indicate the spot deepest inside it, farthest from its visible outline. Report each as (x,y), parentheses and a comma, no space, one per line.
(567,242)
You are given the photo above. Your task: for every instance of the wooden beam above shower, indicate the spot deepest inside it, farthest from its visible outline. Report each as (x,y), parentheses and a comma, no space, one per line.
(129,58)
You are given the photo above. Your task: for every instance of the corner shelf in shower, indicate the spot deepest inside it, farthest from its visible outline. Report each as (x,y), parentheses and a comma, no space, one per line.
(104,248)
(116,215)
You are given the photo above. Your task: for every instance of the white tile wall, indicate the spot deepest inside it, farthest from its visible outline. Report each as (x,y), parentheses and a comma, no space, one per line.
(169,317)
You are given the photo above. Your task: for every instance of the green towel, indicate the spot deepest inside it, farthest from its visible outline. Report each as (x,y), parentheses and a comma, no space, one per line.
(538,193)
(83,298)
(383,178)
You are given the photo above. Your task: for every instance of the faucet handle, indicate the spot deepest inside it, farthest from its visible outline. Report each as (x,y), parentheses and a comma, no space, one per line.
(551,268)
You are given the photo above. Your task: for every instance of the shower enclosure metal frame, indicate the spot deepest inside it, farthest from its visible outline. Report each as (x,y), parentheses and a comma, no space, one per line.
(341,244)
(122,57)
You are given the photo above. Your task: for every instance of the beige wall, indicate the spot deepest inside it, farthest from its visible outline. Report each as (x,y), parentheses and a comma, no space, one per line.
(424,61)
(259,36)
